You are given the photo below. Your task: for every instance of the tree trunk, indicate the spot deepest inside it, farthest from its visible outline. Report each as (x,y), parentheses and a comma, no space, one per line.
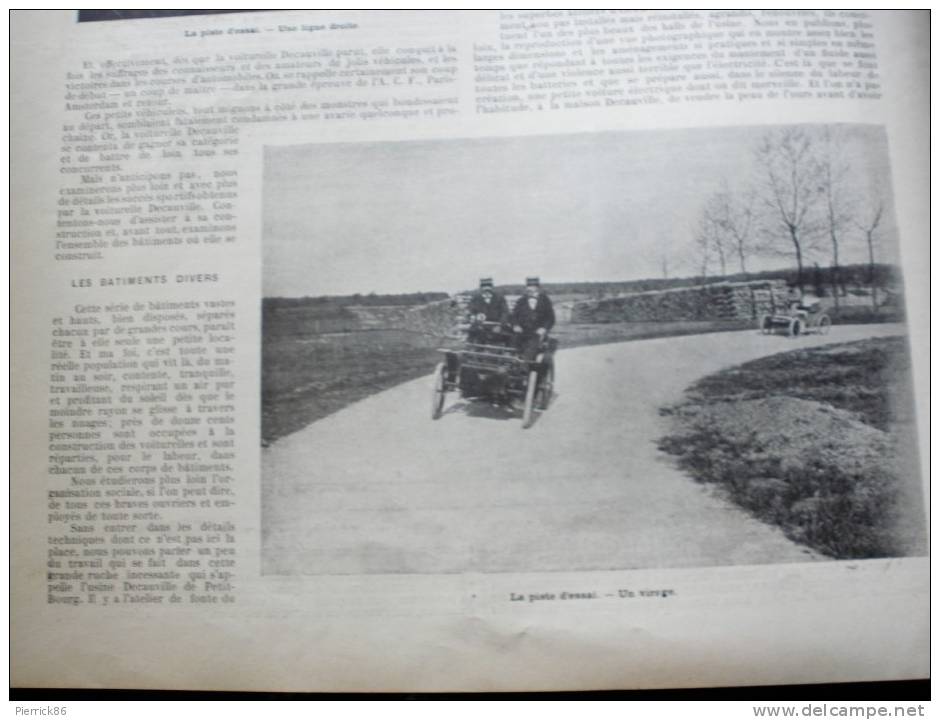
(795,238)
(834,280)
(871,272)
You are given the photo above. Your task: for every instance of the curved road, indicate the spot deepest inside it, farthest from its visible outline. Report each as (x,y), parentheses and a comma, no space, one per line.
(381,488)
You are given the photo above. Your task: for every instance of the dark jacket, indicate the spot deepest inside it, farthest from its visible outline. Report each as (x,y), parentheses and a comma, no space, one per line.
(543,316)
(496,310)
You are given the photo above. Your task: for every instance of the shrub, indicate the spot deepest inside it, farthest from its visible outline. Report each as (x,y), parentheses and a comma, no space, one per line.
(841,514)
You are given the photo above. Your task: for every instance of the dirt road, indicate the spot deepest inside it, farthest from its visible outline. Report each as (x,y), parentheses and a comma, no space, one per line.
(381,488)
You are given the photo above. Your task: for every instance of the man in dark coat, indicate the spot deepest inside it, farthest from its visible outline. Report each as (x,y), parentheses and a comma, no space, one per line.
(487,305)
(532,317)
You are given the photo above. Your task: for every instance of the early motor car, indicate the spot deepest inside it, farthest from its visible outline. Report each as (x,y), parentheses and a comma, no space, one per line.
(491,369)
(799,317)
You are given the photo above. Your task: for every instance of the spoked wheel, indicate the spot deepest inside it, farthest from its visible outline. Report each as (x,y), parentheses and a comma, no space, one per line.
(544,395)
(796,327)
(438,391)
(824,324)
(528,410)
(766,324)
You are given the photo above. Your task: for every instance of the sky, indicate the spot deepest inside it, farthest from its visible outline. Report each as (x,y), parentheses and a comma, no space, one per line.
(398,217)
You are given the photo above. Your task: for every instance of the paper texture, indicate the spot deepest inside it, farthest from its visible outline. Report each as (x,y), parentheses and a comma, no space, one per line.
(239,238)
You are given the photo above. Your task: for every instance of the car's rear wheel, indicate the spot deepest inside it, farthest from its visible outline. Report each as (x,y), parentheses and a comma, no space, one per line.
(766,324)
(438,391)
(824,324)
(528,410)
(796,327)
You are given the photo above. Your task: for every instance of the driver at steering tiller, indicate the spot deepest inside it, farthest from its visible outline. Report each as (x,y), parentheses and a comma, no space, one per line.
(486,305)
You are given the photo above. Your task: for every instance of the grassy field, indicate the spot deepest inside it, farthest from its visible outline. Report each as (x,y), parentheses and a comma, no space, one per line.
(820,442)
(861,314)
(308,378)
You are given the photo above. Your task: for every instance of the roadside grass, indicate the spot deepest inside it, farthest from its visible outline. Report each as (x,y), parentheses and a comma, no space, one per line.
(864,314)
(861,377)
(306,378)
(845,515)
(571,335)
(808,440)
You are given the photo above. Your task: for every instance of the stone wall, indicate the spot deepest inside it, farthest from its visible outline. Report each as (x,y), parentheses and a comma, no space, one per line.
(716,301)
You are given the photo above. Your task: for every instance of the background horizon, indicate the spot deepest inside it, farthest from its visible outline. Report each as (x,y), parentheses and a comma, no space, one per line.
(694,279)
(435,216)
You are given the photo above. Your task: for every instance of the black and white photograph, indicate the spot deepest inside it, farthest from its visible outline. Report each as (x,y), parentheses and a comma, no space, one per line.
(604,351)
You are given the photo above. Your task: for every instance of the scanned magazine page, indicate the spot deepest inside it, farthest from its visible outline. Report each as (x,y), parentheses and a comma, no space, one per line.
(464,351)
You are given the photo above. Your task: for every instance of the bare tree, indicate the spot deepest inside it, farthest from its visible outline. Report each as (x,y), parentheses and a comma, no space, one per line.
(791,186)
(701,256)
(660,257)
(869,226)
(735,219)
(833,175)
(719,245)
(710,242)
(740,223)
(711,230)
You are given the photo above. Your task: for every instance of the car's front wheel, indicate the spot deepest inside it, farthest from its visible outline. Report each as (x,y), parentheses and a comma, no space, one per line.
(544,396)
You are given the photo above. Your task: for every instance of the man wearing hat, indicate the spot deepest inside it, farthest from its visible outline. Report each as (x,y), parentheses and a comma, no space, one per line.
(486,305)
(532,317)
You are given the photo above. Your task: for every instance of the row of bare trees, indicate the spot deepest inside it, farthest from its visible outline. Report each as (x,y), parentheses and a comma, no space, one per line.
(804,201)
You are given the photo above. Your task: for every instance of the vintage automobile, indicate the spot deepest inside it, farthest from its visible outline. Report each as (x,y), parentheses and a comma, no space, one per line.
(490,369)
(798,319)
